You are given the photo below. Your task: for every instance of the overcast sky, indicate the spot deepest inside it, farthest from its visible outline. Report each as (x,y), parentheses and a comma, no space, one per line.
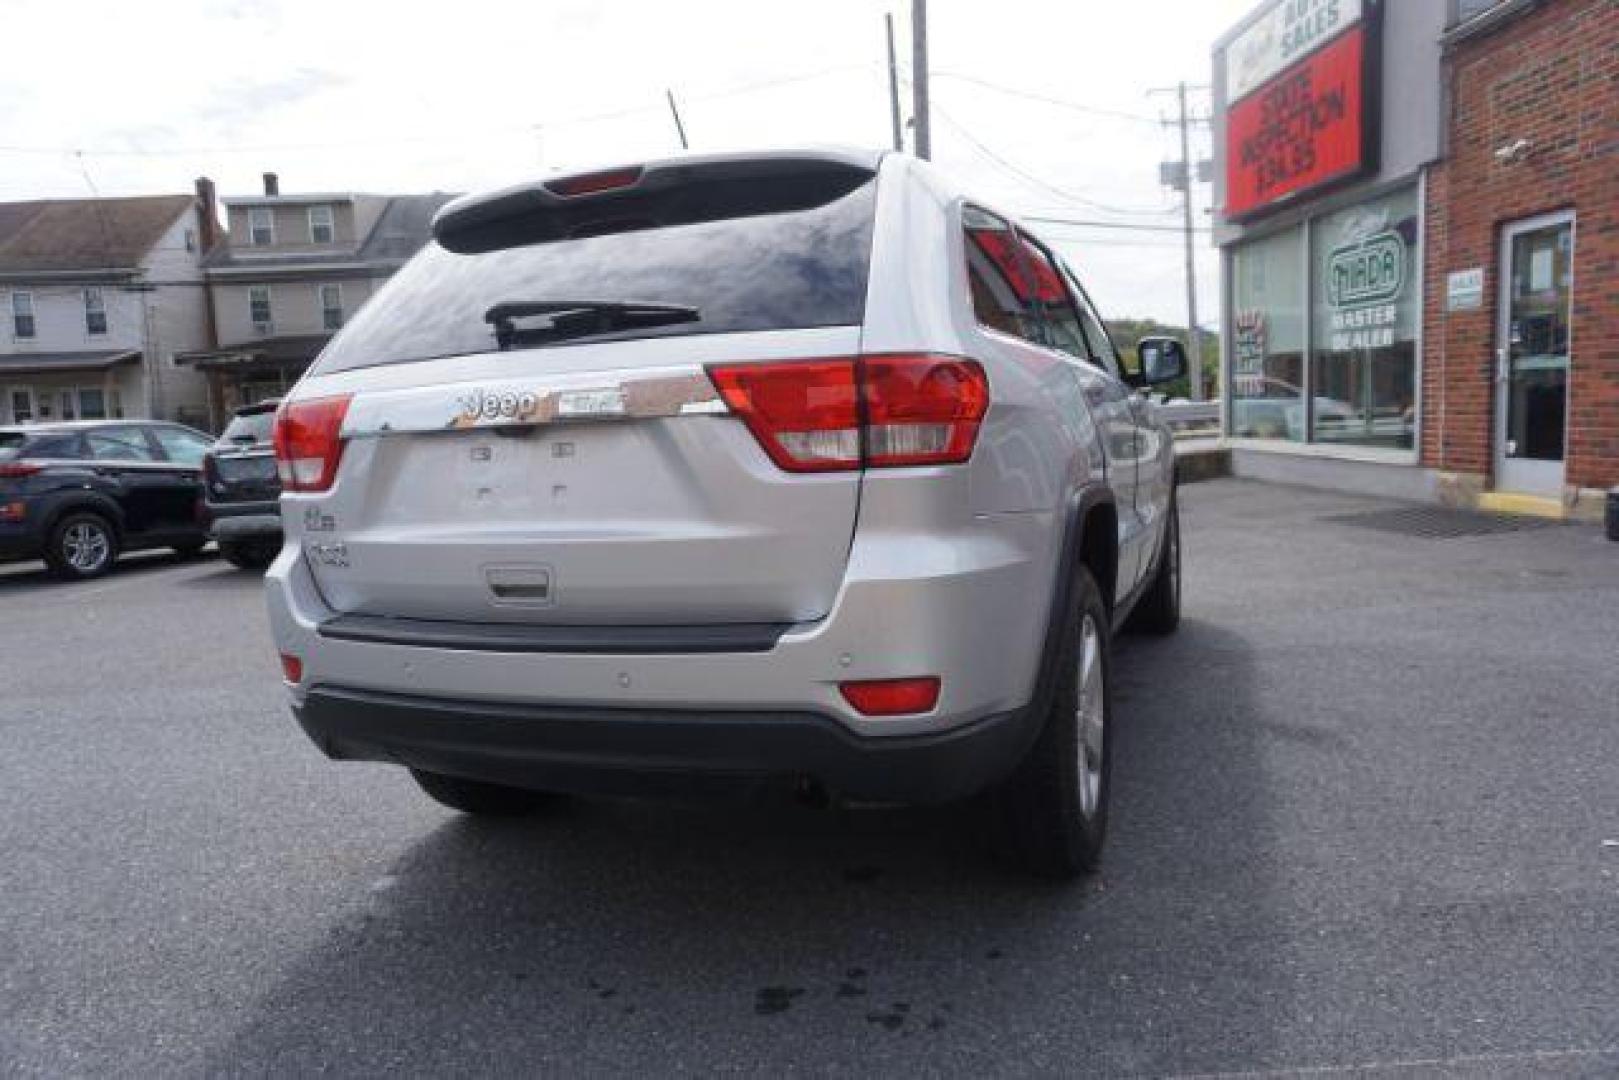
(1042,106)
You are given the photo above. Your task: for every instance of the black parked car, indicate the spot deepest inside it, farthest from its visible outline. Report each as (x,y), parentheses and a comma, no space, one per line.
(241,489)
(77,494)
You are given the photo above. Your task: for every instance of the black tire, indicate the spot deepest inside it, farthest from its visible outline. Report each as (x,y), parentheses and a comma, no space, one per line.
(1159,610)
(248,554)
(477,797)
(82,545)
(1053,811)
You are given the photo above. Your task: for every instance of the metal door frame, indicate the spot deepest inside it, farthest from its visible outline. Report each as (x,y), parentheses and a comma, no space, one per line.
(1514,474)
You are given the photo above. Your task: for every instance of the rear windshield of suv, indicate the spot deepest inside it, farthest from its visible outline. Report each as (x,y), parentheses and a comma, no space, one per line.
(791,270)
(247,430)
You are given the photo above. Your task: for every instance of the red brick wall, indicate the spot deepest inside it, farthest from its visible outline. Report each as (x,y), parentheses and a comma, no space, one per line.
(1551,77)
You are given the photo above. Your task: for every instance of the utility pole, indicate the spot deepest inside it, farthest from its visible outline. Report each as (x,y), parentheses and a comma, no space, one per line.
(674,110)
(893,85)
(1182,176)
(919,79)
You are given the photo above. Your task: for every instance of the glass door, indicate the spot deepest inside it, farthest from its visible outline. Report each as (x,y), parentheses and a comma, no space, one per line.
(1532,354)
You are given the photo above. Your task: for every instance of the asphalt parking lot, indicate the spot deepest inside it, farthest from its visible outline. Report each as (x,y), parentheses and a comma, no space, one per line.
(1366,817)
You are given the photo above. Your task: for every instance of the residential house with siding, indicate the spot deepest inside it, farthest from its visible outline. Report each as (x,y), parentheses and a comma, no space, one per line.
(295,267)
(97,297)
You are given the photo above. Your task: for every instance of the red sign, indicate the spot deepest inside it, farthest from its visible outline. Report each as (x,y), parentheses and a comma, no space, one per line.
(1303,129)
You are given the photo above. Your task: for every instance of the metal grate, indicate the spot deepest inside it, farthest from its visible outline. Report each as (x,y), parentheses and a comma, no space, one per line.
(1437,522)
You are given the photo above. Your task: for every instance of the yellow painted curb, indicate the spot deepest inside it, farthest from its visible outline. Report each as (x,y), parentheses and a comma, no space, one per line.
(1502,502)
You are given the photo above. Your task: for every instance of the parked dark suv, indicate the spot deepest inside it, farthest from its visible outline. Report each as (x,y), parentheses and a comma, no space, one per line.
(77,494)
(241,489)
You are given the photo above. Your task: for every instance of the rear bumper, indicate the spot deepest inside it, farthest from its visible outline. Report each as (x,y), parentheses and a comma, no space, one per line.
(641,752)
(243,521)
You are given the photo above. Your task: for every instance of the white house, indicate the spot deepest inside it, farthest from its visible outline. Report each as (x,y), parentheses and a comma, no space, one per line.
(97,296)
(291,271)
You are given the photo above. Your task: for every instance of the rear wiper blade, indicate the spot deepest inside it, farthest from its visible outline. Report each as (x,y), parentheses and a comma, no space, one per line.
(579,318)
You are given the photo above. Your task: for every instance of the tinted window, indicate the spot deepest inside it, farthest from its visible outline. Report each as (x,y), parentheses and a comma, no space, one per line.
(119,444)
(245,430)
(10,443)
(1101,345)
(793,269)
(998,295)
(1016,287)
(1061,323)
(63,447)
(184,447)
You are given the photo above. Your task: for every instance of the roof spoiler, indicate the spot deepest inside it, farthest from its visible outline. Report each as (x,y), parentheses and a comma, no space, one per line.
(678,191)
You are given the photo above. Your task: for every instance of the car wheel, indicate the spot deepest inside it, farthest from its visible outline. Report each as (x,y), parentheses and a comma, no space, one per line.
(1159,611)
(1053,808)
(82,545)
(480,798)
(248,554)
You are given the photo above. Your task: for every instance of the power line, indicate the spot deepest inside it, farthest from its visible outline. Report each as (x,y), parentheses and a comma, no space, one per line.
(1074,106)
(1030,178)
(1121,225)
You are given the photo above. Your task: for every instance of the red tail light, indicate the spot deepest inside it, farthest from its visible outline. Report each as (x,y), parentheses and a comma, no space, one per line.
(596,182)
(892,697)
(308,440)
(805,413)
(16,470)
(292,668)
(872,411)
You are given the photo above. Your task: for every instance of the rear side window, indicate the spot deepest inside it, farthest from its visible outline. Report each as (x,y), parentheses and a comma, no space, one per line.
(798,268)
(67,447)
(180,446)
(1016,286)
(119,444)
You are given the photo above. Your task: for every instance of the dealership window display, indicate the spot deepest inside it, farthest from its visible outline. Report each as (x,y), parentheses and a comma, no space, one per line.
(1365,311)
(1267,355)
(1357,364)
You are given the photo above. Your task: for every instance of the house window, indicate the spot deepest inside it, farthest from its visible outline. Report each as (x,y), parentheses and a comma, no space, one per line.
(320,225)
(331,306)
(22,314)
(261,225)
(95,312)
(92,403)
(258,306)
(22,405)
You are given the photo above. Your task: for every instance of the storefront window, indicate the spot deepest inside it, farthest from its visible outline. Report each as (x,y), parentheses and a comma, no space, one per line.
(1365,312)
(1267,362)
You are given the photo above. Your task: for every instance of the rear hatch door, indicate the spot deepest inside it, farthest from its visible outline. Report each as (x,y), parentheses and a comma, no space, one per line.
(536,469)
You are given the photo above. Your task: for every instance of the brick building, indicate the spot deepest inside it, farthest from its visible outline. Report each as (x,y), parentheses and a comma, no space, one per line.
(1526,198)
(1418,212)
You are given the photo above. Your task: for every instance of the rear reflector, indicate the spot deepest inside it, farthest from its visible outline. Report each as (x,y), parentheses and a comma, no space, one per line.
(309,443)
(595,183)
(807,414)
(292,668)
(16,470)
(892,697)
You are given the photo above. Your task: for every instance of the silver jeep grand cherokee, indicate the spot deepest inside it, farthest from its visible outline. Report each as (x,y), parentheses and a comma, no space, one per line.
(797,468)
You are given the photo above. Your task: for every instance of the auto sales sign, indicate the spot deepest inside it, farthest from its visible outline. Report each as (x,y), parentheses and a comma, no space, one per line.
(1300,115)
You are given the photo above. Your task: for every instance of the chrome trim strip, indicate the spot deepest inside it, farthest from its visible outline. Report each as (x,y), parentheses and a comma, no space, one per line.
(583,397)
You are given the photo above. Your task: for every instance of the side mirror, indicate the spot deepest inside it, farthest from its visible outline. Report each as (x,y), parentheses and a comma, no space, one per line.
(1163,360)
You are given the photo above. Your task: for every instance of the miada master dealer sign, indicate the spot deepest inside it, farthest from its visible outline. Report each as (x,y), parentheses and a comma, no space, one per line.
(1300,115)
